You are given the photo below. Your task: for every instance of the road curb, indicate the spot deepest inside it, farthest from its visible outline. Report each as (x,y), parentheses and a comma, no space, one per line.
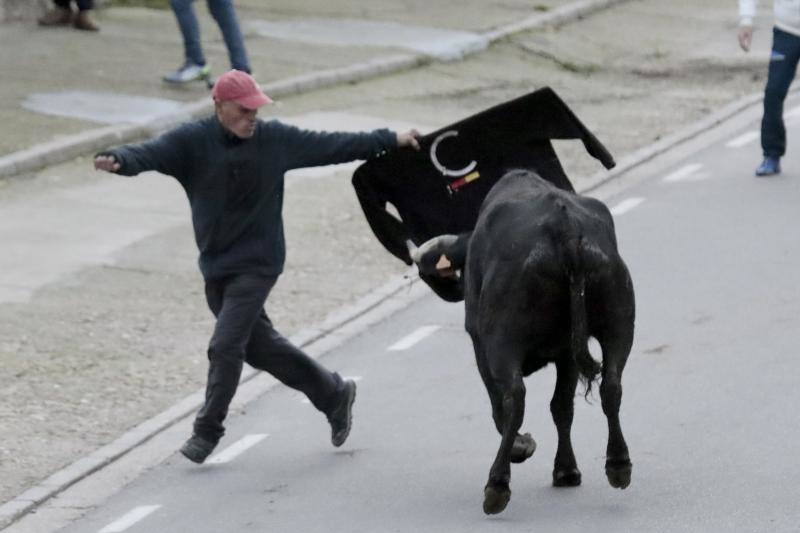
(95,140)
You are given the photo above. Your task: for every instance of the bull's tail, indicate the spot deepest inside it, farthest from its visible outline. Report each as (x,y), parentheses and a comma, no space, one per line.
(575,251)
(587,366)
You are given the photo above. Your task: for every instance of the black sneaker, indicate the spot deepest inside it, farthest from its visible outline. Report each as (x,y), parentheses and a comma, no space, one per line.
(341,418)
(197,449)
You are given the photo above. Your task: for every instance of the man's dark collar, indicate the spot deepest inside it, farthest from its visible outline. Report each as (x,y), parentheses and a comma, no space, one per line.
(228,137)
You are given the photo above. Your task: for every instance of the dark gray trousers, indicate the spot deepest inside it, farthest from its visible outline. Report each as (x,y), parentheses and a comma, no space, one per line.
(244,333)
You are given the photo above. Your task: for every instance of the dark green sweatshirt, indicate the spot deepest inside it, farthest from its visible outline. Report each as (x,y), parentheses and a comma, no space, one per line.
(235,186)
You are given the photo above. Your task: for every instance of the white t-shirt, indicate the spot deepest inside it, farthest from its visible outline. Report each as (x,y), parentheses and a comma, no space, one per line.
(787,14)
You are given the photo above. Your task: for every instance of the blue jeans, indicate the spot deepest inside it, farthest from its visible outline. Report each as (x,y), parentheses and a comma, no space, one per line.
(782,68)
(223,13)
(83,5)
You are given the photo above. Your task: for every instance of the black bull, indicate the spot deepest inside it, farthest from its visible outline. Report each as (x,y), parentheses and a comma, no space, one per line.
(541,273)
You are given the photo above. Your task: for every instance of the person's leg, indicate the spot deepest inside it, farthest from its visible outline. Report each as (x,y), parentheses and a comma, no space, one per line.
(194,66)
(237,303)
(60,15)
(190,31)
(268,350)
(82,20)
(225,15)
(782,69)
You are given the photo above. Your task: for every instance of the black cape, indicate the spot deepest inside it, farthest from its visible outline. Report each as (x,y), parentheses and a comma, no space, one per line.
(439,190)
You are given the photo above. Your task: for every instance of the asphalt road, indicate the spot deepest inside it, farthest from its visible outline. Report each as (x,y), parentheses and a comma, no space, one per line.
(103,323)
(708,406)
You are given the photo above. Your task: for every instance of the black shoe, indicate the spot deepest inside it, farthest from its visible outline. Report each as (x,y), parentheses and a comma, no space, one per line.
(197,449)
(341,418)
(769,167)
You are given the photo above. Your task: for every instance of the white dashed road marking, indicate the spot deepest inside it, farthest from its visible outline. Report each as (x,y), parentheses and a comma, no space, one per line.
(743,139)
(413,338)
(236,449)
(684,173)
(625,205)
(135,515)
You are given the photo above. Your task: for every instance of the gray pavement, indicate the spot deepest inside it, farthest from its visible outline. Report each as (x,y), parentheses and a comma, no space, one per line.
(108,325)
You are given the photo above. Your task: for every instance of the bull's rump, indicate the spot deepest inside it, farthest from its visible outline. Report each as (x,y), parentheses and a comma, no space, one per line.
(517,279)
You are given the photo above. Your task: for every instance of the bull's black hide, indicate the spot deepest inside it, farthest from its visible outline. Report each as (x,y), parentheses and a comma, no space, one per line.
(439,189)
(542,274)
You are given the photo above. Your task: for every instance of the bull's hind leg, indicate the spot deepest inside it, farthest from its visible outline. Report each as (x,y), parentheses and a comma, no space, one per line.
(497,492)
(618,462)
(562,407)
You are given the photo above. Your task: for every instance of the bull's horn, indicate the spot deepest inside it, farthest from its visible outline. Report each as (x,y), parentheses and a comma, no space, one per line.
(413,251)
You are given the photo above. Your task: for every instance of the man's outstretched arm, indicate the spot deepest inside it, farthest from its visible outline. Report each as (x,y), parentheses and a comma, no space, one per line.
(106,162)
(408,139)
(166,154)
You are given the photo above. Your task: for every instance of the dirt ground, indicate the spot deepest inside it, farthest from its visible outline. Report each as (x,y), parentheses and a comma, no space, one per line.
(88,358)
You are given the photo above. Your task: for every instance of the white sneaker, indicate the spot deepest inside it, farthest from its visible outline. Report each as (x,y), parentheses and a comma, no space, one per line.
(188,72)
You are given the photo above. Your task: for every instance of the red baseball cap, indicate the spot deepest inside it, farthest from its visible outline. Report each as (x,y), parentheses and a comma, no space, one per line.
(240,87)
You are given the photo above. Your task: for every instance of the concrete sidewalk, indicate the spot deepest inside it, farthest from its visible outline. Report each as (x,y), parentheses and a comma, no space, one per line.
(66,93)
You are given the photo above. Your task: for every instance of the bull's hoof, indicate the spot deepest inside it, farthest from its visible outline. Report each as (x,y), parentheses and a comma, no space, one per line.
(619,473)
(566,477)
(523,449)
(495,499)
